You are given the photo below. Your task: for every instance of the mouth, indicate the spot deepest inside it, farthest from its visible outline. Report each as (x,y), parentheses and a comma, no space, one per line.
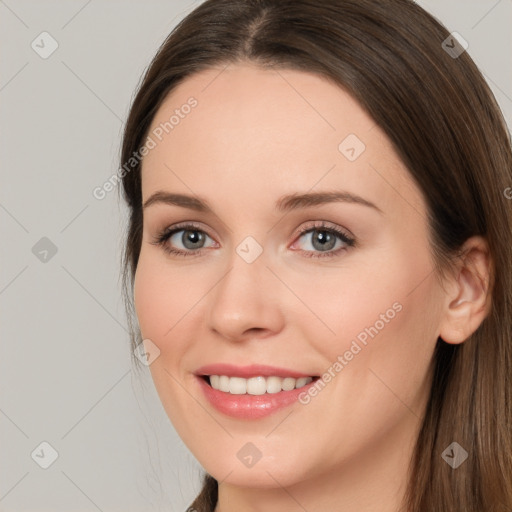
(258,385)
(252,392)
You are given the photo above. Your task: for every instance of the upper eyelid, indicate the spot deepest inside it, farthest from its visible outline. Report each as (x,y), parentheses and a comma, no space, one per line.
(339,232)
(317,224)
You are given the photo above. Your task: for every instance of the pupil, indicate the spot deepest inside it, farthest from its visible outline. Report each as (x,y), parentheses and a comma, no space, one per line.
(193,237)
(324,238)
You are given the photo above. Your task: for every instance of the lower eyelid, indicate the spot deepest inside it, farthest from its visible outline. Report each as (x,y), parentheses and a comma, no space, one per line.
(164,238)
(176,231)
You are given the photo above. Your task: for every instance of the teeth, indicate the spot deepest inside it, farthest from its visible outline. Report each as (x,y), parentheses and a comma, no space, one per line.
(256,385)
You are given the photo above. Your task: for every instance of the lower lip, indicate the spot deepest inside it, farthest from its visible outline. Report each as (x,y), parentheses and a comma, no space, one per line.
(251,407)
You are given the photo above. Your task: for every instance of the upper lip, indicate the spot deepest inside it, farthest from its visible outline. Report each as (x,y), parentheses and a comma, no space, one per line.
(253,370)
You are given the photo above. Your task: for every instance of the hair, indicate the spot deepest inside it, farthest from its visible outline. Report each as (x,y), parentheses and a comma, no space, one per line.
(445,124)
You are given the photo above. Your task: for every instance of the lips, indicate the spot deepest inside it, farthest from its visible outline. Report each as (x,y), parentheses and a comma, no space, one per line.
(247,406)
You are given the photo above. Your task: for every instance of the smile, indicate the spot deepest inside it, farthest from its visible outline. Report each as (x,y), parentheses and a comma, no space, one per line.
(251,392)
(259,385)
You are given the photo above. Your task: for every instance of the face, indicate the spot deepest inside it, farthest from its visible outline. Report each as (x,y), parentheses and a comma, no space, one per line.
(342,289)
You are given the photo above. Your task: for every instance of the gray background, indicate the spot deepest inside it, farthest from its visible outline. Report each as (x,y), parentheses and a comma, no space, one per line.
(65,370)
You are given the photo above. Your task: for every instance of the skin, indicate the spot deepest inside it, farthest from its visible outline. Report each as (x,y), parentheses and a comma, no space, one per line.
(254,136)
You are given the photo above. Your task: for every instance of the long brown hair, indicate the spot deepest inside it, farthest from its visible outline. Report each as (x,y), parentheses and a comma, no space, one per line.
(446,126)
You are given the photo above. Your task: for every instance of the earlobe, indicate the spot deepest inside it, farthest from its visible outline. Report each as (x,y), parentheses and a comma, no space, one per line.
(468,296)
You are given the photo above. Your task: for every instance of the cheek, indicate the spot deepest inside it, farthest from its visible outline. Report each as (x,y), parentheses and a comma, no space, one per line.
(382,314)
(145,297)
(161,300)
(155,295)
(342,303)
(161,297)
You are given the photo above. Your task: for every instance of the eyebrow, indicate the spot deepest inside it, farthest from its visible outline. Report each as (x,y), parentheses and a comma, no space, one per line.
(284,204)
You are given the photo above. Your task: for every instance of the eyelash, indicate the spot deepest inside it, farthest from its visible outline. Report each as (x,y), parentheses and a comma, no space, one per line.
(163,236)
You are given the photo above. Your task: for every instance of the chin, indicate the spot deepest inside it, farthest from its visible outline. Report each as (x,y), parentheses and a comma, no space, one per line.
(265,474)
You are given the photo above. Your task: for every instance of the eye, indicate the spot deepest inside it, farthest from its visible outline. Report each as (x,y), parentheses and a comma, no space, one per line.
(322,239)
(189,236)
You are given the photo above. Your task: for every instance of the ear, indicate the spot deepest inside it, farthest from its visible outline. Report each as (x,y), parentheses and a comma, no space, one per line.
(468,297)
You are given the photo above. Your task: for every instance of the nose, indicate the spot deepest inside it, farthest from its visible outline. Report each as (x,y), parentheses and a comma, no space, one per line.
(245,302)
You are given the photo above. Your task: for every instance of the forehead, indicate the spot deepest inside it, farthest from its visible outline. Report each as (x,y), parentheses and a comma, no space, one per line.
(269,132)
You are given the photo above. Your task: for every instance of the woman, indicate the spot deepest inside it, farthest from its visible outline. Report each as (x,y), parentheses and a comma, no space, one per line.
(319,257)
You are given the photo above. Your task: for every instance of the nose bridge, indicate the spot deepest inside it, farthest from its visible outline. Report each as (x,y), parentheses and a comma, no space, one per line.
(245,298)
